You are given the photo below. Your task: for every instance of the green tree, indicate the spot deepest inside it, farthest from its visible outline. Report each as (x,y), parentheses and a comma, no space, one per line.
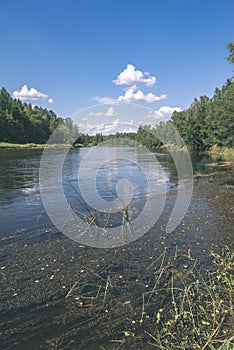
(230,58)
(22,123)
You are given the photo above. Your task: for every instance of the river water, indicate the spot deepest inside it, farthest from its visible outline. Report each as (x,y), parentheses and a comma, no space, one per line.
(21,207)
(98,185)
(44,273)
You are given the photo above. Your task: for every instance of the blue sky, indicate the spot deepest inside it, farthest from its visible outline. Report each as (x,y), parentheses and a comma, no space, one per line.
(70,52)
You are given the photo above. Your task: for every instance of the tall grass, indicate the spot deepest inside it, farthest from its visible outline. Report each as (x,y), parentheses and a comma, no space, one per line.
(195,311)
(222,150)
(29,145)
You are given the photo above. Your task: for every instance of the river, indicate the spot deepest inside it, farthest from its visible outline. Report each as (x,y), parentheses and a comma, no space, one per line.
(44,272)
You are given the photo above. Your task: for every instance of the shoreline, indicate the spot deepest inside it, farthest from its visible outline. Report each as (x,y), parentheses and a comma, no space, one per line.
(215,150)
(56,291)
(6,145)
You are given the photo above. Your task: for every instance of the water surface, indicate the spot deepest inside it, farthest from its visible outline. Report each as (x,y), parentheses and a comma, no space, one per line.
(39,266)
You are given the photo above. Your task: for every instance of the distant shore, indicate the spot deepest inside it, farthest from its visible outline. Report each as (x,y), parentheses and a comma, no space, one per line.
(7,145)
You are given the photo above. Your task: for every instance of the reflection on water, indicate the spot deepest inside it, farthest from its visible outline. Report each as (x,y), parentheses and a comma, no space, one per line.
(19,190)
(20,201)
(112,179)
(18,173)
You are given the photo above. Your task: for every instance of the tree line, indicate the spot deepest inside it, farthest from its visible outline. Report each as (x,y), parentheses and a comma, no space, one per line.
(23,123)
(208,122)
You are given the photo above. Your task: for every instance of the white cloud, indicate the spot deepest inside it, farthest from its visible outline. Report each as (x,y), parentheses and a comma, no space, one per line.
(109,128)
(163,113)
(29,94)
(105,100)
(130,76)
(109,113)
(96,114)
(131,96)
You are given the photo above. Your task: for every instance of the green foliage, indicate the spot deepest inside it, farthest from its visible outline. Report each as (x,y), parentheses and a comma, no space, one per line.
(230,58)
(23,123)
(198,313)
(208,122)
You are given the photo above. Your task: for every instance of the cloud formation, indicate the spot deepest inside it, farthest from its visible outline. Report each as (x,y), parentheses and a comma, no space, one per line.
(131,95)
(30,94)
(163,113)
(105,100)
(109,128)
(130,76)
(109,113)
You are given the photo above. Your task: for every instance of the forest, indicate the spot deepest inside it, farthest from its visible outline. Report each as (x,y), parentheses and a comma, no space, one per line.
(23,123)
(207,123)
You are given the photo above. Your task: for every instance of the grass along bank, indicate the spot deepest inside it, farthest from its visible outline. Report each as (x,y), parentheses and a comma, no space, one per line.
(195,310)
(186,308)
(29,145)
(222,151)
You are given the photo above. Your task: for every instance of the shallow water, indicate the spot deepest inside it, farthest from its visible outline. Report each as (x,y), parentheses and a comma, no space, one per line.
(39,266)
(21,206)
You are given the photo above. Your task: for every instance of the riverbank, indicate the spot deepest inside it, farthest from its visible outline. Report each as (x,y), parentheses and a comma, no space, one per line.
(6,145)
(215,150)
(222,150)
(161,289)
(226,152)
